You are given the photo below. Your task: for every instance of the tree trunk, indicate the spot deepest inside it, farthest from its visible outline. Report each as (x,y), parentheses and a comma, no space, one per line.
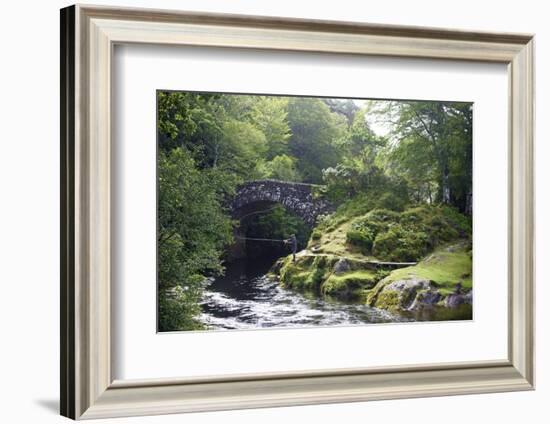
(445,188)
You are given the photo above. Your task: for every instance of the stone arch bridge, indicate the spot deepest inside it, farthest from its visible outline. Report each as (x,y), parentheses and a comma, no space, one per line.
(298,198)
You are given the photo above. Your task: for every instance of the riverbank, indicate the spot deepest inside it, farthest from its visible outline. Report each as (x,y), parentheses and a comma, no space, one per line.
(417,263)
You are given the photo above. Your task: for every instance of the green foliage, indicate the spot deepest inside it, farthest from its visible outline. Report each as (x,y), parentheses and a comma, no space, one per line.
(461,223)
(362,238)
(400,243)
(360,173)
(190,121)
(281,167)
(343,181)
(233,133)
(240,147)
(179,306)
(193,230)
(391,200)
(409,235)
(315,131)
(316,234)
(357,206)
(277,223)
(433,150)
(269,114)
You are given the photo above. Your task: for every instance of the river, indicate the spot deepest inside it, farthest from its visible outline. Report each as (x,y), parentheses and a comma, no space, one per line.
(245,298)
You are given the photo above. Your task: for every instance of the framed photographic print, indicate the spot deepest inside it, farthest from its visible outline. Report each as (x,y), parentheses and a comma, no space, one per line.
(265,212)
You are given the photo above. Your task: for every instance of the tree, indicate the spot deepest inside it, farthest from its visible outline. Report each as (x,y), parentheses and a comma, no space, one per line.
(189,120)
(436,139)
(358,171)
(193,230)
(238,149)
(269,114)
(315,132)
(344,107)
(282,167)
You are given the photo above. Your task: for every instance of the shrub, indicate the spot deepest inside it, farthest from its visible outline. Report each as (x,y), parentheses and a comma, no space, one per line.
(361,239)
(383,215)
(316,235)
(459,222)
(409,235)
(179,306)
(391,201)
(364,230)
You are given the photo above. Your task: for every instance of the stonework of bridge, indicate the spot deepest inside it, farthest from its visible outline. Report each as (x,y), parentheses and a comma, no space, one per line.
(298,198)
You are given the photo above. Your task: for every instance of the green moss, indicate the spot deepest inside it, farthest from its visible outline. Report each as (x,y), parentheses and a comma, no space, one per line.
(389,300)
(446,267)
(334,243)
(406,236)
(316,235)
(314,273)
(307,273)
(372,295)
(349,284)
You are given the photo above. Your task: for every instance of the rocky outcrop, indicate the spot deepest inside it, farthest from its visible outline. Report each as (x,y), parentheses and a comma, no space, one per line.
(414,295)
(341,267)
(456,299)
(426,299)
(398,295)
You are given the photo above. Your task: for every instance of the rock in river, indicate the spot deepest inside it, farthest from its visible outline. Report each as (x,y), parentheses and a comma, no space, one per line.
(399,294)
(456,299)
(426,299)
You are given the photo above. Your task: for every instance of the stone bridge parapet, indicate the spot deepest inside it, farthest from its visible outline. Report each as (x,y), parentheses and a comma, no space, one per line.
(299,198)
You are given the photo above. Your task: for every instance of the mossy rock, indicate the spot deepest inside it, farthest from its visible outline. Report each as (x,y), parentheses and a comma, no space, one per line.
(372,295)
(389,300)
(276,267)
(306,273)
(315,273)
(427,283)
(400,295)
(348,285)
(446,267)
(426,299)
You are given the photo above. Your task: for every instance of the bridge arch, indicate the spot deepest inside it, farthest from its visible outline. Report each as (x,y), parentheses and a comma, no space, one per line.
(298,198)
(261,195)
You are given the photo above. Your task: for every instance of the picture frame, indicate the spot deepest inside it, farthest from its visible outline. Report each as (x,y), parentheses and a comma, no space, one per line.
(88,390)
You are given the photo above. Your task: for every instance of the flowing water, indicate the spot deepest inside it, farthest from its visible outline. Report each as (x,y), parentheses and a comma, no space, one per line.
(245,298)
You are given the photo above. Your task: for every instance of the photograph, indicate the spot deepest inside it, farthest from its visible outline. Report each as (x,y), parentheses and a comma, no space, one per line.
(289,211)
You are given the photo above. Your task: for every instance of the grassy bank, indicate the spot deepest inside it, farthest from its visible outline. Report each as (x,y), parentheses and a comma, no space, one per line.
(342,259)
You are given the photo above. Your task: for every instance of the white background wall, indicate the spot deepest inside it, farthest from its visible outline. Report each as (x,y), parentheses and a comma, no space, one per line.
(29,209)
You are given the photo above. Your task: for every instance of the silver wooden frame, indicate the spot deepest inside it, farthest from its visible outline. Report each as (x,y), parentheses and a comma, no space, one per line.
(88,390)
